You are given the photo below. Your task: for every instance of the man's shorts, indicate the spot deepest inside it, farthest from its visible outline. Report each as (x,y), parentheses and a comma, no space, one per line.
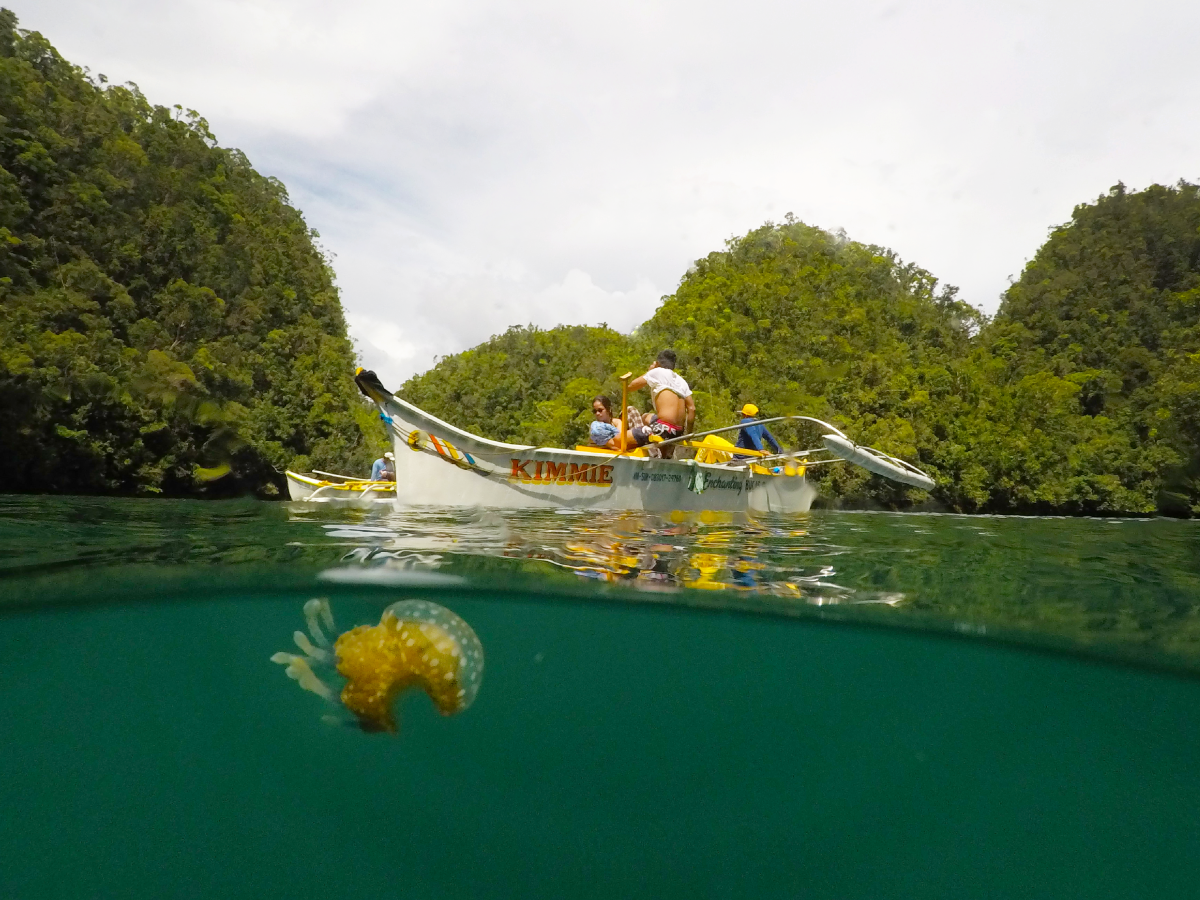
(665,430)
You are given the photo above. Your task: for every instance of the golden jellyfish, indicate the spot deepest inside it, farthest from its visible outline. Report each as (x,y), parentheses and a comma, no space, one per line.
(416,644)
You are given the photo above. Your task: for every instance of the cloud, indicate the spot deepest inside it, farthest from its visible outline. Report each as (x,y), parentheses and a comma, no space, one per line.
(478,165)
(382,345)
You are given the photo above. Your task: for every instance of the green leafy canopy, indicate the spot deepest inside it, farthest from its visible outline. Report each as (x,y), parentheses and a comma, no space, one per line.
(165,315)
(1082,396)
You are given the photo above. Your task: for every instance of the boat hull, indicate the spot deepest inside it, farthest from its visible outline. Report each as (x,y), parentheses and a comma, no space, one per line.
(440,465)
(546,477)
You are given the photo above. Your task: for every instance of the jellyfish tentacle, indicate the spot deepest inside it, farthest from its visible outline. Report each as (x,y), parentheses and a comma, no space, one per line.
(301,672)
(314,653)
(318,606)
(327,615)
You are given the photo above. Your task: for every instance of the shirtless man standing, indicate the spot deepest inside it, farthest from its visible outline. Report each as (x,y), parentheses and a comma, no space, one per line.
(673,402)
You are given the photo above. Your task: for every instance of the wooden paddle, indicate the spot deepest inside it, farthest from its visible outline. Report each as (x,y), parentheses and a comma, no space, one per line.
(625,409)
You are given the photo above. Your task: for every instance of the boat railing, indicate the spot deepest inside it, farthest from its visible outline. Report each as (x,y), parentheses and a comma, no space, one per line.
(364,487)
(837,444)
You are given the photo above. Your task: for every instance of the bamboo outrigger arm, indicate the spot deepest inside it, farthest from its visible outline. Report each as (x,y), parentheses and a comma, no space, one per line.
(842,447)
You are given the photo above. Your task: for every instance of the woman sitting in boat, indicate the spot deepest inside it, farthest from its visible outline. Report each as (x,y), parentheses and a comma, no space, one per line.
(673,403)
(605,431)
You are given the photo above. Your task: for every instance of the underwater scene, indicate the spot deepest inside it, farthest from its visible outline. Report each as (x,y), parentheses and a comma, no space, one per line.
(247,699)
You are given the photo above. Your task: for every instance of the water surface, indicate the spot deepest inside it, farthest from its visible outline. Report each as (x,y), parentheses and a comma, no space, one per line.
(826,705)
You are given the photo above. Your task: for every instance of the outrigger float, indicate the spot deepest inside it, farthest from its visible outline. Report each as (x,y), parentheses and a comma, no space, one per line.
(438,464)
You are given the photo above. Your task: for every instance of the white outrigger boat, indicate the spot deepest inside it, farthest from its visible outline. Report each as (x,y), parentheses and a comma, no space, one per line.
(326,487)
(440,465)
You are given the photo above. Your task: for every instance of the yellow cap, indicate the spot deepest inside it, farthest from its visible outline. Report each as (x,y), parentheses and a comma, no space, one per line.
(749,410)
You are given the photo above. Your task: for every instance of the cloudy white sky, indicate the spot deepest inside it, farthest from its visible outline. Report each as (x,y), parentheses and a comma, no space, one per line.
(474,165)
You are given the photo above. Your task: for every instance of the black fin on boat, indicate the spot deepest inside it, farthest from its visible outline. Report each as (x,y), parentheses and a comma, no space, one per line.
(370,385)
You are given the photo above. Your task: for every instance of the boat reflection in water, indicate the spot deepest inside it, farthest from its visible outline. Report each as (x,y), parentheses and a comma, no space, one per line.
(713,551)
(773,556)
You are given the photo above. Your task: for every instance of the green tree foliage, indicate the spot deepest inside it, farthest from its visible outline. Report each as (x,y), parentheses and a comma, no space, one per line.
(165,317)
(800,321)
(1110,309)
(789,317)
(527,385)
(1082,396)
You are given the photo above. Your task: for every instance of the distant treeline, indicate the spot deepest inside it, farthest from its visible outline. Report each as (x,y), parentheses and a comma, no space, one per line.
(1082,395)
(167,324)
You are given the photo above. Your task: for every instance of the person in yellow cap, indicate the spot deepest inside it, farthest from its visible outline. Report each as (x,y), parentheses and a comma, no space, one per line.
(754,436)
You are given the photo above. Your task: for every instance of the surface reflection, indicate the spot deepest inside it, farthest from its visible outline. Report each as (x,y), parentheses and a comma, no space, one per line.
(1120,586)
(701,551)
(1113,586)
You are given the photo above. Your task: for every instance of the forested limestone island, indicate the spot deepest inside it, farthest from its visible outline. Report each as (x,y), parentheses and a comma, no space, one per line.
(1081,396)
(168,325)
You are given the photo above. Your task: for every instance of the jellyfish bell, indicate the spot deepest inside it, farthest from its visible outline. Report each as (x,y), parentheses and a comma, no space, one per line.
(416,644)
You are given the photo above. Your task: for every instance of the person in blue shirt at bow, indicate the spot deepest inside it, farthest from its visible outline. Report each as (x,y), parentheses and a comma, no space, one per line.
(384,468)
(754,436)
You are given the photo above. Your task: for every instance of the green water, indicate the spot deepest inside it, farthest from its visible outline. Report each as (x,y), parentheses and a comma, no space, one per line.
(830,705)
